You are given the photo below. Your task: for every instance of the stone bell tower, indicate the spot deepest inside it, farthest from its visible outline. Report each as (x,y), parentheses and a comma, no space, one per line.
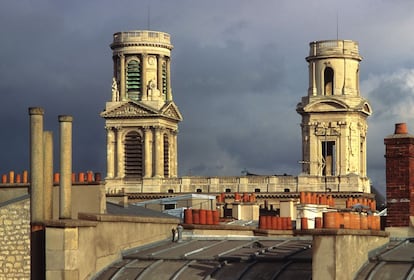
(141,119)
(334,120)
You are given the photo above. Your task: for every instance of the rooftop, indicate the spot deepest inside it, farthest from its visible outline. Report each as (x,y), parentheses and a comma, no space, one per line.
(214,258)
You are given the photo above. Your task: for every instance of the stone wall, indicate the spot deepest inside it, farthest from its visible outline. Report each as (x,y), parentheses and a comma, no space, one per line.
(15,239)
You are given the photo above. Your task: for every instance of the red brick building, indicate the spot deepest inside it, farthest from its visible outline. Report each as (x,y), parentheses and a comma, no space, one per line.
(399,156)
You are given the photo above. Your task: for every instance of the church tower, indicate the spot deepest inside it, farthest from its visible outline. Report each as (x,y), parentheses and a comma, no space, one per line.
(334,120)
(141,120)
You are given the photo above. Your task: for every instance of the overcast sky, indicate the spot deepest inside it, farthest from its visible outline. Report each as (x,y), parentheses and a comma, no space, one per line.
(238,71)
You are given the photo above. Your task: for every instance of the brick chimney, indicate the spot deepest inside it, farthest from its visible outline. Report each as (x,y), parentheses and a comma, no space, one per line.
(399,156)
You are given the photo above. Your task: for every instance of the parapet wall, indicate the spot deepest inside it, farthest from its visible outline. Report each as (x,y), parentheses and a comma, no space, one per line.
(79,249)
(263,184)
(339,254)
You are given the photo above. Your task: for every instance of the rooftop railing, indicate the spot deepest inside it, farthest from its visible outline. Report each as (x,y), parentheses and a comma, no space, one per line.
(327,47)
(142,36)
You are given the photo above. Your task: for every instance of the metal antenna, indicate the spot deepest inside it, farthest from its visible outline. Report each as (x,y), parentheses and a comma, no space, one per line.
(149,16)
(337,26)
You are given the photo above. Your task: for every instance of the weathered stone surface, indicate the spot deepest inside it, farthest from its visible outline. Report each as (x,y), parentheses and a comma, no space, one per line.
(15,240)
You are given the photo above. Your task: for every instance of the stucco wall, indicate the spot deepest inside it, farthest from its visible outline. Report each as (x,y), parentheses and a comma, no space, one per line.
(80,249)
(15,239)
(339,254)
(85,198)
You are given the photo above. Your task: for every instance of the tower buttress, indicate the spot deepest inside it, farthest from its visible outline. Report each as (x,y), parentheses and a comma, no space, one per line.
(334,118)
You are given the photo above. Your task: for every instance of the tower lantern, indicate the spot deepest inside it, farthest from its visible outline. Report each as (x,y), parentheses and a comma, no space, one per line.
(334,119)
(141,118)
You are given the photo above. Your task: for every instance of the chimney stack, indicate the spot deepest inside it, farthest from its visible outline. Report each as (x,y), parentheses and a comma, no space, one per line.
(65,211)
(36,164)
(399,156)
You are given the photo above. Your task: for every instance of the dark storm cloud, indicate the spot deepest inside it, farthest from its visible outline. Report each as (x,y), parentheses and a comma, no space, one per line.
(392,96)
(238,71)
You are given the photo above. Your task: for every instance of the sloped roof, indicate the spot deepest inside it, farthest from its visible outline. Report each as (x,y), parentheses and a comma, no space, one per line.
(394,261)
(242,258)
(133,210)
(172,199)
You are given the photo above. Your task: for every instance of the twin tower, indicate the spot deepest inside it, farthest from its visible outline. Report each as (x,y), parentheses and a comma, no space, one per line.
(142,120)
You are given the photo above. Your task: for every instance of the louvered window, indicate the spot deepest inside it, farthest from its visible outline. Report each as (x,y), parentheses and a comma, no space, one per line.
(133,80)
(164,80)
(133,155)
(166,156)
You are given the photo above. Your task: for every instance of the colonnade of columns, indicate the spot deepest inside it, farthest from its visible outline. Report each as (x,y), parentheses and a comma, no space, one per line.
(153,151)
(161,59)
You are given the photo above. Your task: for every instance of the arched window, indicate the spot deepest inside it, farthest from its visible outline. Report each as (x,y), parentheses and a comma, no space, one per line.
(164,81)
(133,80)
(166,156)
(133,155)
(329,81)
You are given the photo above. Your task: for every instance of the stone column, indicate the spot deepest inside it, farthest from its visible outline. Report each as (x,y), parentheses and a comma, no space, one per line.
(110,148)
(169,90)
(144,82)
(314,90)
(36,164)
(48,174)
(159,74)
(122,78)
(148,152)
(159,156)
(173,154)
(65,201)
(119,154)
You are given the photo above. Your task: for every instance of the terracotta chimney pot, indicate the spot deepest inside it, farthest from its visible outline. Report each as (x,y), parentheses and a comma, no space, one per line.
(401,128)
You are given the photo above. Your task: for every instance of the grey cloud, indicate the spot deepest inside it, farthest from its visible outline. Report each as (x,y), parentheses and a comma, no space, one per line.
(238,70)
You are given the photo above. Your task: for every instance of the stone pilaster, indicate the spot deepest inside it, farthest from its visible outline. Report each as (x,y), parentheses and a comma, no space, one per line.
(160,60)
(110,147)
(122,78)
(159,156)
(148,152)
(174,157)
(120,154)
(144,82)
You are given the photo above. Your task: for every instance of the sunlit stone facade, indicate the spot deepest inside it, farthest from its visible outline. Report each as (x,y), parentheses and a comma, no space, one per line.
(334,119)
(142,124)
(141,119)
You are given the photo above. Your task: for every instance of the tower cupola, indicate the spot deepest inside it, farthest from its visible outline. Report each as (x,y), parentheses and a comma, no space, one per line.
(142,67)
(334,118)
(141,118)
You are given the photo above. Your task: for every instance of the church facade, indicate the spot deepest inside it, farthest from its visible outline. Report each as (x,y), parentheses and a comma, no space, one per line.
(141,122)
